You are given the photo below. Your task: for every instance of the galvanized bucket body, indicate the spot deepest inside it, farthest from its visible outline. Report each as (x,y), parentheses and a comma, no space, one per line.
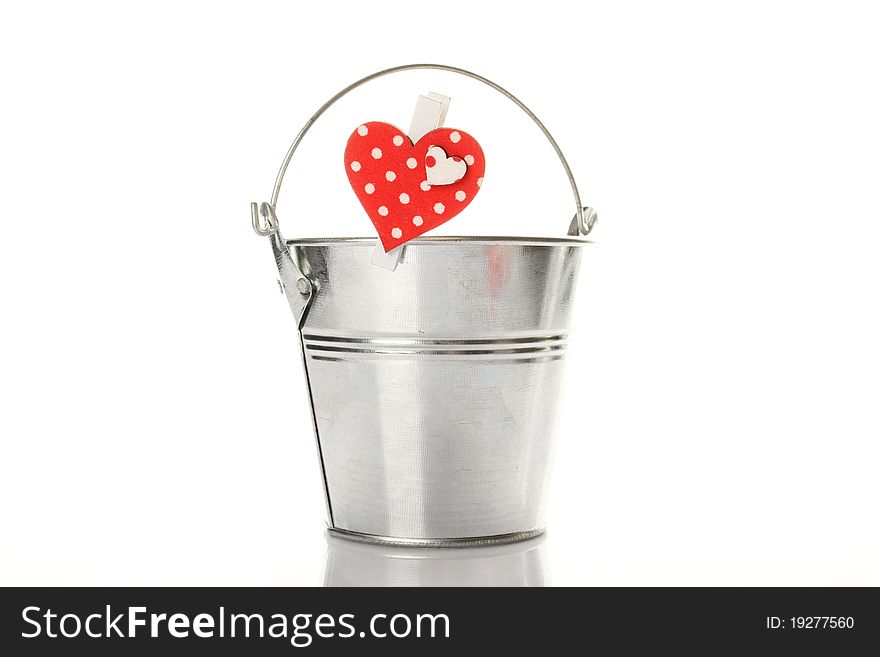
(434,386)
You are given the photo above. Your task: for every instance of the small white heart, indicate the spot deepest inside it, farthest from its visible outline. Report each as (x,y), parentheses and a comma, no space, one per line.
(445,170)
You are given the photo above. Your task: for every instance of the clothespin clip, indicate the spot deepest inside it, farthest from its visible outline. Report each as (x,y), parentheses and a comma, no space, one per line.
(430,114)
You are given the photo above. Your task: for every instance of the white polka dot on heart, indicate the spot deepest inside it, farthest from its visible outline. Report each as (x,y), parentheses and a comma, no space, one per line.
(479,182)
(460,195)
(390,176)
(424,185)
(417,220)
(404,198)
(398,140)
(455,136)
(377,153)
(369,188)
(396,233)
(362,131)
(412,163)
(439,208)
(469,160)
(383,210)
(355,166)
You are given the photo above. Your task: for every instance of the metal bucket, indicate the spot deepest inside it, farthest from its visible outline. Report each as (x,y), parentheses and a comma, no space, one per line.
(433,387)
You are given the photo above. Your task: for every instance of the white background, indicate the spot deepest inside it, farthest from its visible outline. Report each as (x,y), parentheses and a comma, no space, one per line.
(720,424)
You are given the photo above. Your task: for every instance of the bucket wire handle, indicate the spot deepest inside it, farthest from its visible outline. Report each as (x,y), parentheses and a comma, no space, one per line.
(265,223)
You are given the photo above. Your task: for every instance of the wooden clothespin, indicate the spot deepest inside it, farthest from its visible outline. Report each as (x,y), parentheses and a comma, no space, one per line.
(430,114)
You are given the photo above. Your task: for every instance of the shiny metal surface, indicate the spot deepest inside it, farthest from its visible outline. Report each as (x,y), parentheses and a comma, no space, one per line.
(264,221)
(434,386)
(293,281)
(358,564)
(581,224)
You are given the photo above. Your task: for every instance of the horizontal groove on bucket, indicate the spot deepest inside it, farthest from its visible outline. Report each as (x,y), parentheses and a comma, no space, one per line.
(432,341)
(437,352)
(540,359)
(521,349)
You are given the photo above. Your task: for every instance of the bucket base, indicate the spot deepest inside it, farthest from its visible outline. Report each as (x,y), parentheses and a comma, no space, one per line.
(470,541)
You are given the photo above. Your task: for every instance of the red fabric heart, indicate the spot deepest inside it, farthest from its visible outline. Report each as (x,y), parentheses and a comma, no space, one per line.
(388,174)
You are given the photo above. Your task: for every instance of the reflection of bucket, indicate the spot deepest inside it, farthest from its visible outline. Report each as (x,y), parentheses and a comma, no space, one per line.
(358,564)
(432,387)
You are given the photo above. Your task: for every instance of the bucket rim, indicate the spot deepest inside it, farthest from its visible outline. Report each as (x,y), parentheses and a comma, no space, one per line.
(433,240)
